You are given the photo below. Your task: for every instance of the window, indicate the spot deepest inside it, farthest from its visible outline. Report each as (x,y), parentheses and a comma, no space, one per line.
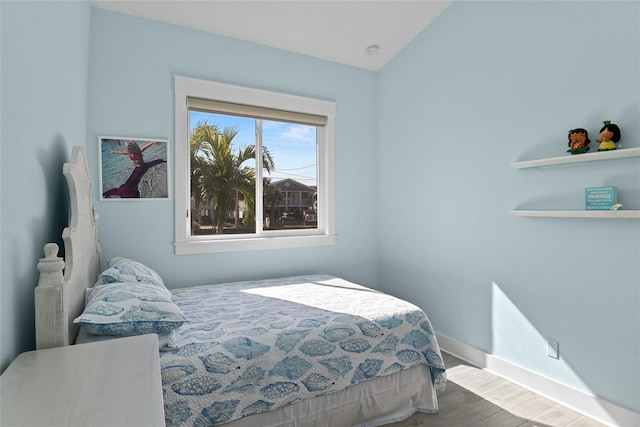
(254,169)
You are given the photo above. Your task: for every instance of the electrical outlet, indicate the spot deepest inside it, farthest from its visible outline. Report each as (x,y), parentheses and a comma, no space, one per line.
(553,348)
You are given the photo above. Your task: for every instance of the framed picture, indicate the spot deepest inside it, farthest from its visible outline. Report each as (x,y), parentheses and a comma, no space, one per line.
(133,168)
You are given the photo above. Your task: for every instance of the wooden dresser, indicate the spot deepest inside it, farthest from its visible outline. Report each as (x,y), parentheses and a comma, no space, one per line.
(108,383)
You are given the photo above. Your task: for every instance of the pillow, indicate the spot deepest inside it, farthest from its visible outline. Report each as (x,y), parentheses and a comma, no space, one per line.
(124,270)
(87,292)
(166,342)
(125,309)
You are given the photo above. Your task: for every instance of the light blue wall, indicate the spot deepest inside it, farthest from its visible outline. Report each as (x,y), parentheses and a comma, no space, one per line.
(132,65)
(45,52)
(488,84)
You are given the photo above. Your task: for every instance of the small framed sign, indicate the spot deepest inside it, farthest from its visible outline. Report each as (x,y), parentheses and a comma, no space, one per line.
(600,198)
(133,168)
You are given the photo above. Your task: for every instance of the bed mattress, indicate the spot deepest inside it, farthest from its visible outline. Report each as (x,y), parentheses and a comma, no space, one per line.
(275,346)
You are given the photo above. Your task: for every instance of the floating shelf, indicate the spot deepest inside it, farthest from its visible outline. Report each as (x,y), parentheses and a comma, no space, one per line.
(577,213)
(579,158)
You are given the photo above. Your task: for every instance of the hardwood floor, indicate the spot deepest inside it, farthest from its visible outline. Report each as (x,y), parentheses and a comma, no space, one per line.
(477,398)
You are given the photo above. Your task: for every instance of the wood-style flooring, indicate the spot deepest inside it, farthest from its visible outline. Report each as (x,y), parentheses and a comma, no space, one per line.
(477,398)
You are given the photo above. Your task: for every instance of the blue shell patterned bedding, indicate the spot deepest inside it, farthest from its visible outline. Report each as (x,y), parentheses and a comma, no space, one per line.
(252,347)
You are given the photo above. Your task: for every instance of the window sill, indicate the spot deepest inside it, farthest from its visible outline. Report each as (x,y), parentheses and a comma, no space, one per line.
(251,244)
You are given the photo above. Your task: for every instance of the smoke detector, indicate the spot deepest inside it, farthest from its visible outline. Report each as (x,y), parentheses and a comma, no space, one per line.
(372,50)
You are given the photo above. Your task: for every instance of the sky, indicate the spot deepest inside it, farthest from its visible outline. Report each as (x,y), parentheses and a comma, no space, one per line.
(292,146)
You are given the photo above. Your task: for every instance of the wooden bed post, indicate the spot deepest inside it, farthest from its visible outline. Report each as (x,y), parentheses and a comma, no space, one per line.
(50,301)
(59,297)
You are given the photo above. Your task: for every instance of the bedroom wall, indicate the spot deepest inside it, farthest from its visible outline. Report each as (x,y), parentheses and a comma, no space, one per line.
(486,85)
(132,65)
(43,78)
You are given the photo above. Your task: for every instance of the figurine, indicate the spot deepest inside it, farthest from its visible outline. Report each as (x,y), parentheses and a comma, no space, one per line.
(578,141)
(609,135)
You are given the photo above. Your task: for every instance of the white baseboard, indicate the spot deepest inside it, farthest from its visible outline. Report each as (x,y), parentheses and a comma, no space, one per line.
(591,406)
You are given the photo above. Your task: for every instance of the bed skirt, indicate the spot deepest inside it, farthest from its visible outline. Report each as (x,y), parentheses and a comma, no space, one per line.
(375,402)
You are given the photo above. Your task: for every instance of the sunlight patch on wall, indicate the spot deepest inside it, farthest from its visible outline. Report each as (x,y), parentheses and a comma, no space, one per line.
(518,341)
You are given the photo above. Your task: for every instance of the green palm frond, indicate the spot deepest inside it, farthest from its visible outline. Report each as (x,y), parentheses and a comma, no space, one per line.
(218,173)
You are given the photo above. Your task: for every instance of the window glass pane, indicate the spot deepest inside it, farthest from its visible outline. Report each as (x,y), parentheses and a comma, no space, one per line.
(291,177)
(222,171)
(265,123)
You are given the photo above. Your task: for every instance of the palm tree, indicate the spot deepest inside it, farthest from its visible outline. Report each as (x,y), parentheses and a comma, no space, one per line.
(272,196)
(220,175)
(201,157)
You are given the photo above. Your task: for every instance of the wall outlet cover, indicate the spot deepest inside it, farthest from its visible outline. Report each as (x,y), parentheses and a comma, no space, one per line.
(553,348)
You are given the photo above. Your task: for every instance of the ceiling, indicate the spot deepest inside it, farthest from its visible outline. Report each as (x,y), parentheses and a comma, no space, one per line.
(338,31)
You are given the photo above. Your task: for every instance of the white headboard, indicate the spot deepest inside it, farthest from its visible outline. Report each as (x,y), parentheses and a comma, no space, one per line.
(59,298)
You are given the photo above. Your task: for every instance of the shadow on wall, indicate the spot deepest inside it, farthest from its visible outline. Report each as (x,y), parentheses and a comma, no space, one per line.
(514,337)
(43,229)
(57,204)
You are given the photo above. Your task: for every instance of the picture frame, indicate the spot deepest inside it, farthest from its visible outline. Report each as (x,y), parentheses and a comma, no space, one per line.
(133,168)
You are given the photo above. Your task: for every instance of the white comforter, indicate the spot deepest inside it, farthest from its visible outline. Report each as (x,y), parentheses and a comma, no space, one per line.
(252,347)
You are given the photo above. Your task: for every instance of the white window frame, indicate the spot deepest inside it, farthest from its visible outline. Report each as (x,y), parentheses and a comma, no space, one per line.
(323,235)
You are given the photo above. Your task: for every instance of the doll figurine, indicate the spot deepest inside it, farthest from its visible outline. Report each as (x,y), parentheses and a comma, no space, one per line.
(609,135)
(578,141)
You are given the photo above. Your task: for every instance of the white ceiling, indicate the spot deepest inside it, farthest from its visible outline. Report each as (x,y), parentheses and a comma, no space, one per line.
(334,30)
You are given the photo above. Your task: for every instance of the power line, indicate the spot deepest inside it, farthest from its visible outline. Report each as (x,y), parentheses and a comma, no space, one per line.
(293,174)
(295,169)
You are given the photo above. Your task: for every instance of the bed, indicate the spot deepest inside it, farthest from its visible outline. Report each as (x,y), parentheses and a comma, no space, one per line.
(310,350)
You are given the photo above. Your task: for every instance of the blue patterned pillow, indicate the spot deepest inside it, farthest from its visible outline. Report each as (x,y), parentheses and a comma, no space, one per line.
(124,270)
(125,309)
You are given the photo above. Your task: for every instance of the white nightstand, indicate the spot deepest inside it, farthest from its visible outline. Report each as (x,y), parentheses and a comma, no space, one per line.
(107,383)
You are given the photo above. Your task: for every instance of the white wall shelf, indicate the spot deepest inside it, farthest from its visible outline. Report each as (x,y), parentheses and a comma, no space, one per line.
(579,158)
(577,213)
